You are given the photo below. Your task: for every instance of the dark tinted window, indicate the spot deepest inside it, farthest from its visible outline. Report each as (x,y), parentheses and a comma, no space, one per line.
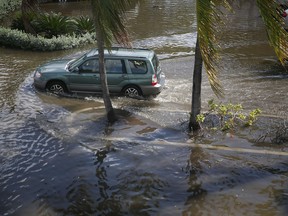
(155,62)
(115,66)
(138,66)
(89,66)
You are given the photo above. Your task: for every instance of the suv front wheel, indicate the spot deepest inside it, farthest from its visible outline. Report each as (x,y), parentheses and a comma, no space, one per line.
(57,87)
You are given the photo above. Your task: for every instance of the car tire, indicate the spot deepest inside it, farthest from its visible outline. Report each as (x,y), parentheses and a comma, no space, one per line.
(132,91)
(57,87)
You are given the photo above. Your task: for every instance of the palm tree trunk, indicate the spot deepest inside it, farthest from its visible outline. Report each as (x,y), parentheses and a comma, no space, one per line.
(196,91)
(111,116)
(26,7)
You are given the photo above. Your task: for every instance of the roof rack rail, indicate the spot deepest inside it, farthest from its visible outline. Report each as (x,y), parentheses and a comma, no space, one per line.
(117,48)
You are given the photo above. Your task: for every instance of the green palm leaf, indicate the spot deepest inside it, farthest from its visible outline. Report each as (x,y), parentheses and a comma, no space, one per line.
(109,15)
(208,18)
(271,11)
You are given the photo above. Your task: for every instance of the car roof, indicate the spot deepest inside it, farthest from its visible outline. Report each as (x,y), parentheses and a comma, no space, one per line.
(124,52)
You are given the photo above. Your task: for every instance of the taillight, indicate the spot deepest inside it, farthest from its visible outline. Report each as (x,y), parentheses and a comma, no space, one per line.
(284,14)
(154,80)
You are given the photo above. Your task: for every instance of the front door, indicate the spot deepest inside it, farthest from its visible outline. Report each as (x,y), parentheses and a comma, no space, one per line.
(87,78)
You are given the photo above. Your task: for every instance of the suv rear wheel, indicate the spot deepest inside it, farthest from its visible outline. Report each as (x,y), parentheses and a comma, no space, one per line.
(132,91)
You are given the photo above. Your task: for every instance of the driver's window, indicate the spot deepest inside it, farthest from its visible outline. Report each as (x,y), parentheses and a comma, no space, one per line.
(89,66)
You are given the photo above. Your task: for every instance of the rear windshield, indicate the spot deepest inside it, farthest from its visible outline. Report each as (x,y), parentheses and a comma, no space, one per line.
(155,62)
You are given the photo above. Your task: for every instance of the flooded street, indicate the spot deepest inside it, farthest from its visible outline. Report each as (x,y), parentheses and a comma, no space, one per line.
(58,156)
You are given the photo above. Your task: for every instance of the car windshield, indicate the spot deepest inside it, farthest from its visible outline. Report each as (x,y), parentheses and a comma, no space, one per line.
(75,62)
(72,64)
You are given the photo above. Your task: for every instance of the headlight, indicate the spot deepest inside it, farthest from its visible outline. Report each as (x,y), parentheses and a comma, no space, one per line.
(37,74)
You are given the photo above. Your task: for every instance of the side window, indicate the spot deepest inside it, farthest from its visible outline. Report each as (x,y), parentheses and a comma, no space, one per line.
(155,62)
(138,66)
(89,66)
(115,66)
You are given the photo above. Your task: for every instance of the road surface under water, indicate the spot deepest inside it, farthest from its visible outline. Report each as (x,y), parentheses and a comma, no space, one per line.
(59,157)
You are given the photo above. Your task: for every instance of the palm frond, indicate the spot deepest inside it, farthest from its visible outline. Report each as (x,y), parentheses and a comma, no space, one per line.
(110,17)
(271,13)
(208,18)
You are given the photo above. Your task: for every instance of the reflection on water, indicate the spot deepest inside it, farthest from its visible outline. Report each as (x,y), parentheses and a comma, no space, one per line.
(59,157)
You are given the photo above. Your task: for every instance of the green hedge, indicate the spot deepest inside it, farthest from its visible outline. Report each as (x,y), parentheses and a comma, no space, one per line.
(18,39)
(7,6)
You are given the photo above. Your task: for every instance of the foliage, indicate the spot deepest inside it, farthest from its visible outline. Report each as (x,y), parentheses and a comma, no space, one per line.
(208,19)
(17,22)
(109,16)
(271,13)
(229,115)
(18,39)
(84,24)
(8,6)
(55,24)
(277,135)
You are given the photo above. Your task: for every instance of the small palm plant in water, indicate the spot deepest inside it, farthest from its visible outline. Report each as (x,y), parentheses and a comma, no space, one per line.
(227,116)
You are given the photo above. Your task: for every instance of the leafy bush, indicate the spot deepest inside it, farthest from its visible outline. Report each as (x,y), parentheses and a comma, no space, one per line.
(277,134)
(18,39)
(227,116)
(53,24)
(84,24)
(17,22)
(7,6)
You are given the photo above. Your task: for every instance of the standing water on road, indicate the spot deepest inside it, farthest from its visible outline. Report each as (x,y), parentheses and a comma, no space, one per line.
(58,156)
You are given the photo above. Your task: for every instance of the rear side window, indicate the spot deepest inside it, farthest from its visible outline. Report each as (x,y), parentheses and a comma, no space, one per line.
(155,62)
(138,66)
(115,66)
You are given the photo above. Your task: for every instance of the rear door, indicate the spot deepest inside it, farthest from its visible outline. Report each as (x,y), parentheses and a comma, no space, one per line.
(117,76)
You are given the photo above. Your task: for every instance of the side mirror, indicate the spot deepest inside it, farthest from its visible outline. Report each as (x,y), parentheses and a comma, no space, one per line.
(75,70)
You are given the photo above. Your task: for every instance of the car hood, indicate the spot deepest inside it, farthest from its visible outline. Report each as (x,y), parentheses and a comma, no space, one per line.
(55,66)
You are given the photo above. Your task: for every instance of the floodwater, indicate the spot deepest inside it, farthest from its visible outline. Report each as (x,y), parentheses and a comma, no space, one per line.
(58,156)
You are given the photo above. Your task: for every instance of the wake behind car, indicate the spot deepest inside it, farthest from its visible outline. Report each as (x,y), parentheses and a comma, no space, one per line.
(130,72)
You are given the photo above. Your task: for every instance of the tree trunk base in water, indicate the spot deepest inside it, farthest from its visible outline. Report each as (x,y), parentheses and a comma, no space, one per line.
(111,116)
(194,127)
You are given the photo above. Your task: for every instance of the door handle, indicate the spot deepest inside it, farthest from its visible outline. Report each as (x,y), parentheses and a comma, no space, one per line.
(95,76)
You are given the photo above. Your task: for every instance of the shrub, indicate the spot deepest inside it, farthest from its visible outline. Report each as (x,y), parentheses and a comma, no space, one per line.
(227,116)
(52,24)
(18,39)
(276,133)
(17,22)
(84,25)
(8,6)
